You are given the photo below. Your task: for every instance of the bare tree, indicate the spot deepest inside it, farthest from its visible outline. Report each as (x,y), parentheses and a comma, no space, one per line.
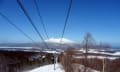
(87,43)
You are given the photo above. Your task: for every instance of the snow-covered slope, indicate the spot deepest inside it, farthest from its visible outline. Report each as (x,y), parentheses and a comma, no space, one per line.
(58,68)
(100,54)
(48,68)
(107,52)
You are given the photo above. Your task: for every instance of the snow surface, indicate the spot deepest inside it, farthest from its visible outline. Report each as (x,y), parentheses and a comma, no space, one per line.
(52,52)
(98,57)
(57,40)
(98,52)
(114,55)
(58,68)
(48,68)
(17,47)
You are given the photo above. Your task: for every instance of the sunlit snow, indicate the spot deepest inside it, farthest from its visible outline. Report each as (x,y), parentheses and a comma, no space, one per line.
(48,68)
(58,40)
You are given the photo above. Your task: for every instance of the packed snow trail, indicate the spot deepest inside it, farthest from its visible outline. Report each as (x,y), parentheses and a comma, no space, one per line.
(58,68)
(48,68)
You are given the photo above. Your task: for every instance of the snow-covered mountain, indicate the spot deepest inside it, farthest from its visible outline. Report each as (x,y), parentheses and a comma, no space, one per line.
(64,43)
(59,40)
(52,43)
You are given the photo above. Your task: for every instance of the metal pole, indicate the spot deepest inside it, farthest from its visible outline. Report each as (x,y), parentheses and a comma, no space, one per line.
(55,60)
(103,65)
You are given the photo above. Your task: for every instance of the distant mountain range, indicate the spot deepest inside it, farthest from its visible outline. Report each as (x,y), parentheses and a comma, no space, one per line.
(52,43)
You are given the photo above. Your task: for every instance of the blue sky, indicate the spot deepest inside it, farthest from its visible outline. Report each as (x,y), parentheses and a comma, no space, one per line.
(99,17)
